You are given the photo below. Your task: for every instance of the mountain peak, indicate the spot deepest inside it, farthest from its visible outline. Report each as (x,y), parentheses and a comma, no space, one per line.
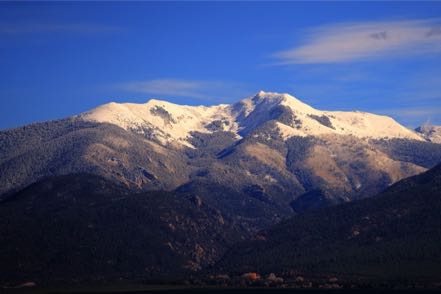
(154,101)
(262,95)
(173,122)
(282,99)
(265,94)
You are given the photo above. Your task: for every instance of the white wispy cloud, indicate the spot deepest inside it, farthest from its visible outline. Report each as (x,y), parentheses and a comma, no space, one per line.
(198,89)
(365,40)
(26,28)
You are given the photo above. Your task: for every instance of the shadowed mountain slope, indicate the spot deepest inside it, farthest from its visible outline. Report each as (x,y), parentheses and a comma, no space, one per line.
(82,227)
(395,234)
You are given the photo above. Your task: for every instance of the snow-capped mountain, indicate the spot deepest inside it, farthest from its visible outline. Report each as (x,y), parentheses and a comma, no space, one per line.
(170,122)
(258,160)
(163,120)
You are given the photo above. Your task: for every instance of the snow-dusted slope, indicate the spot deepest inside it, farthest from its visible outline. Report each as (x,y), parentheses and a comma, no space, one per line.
(431,133)
(166,121)
(170,122)
(358,124)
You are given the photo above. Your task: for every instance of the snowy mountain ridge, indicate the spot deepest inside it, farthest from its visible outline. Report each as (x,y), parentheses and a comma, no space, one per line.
(169,122)
(430,133)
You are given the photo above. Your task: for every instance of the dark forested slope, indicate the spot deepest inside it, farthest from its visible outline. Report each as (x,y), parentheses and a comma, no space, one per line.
(396,234)
(82,227)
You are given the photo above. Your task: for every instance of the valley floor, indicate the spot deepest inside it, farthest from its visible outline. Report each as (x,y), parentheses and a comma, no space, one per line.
(136,289)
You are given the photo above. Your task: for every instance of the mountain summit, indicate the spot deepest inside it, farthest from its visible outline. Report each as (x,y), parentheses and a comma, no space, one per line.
(168,122)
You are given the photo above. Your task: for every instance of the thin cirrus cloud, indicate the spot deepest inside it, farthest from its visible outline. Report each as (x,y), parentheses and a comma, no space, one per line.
(29,28)
(197,89)
(346,42)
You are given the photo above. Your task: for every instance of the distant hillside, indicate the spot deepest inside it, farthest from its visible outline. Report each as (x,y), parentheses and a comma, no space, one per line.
(82,227)
(396,234)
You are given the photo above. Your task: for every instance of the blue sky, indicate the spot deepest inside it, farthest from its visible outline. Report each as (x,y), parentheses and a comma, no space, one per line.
(59,59)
